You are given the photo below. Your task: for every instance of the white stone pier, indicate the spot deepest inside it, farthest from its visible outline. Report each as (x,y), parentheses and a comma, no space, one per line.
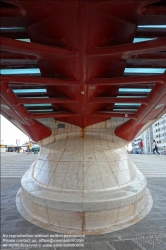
(83,182)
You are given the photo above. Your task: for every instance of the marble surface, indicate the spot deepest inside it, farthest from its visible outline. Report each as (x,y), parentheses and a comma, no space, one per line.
(83,182)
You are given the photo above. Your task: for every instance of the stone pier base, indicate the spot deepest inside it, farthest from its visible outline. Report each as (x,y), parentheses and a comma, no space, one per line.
(83,185)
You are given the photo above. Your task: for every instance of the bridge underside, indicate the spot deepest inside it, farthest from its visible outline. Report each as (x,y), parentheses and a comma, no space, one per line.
(83,78)
(85,62)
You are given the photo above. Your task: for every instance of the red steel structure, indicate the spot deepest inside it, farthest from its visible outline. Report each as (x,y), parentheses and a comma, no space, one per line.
(81,48)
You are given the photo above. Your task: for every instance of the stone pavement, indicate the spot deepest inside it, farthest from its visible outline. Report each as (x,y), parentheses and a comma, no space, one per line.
(15,165)
(150,165)
(150,233)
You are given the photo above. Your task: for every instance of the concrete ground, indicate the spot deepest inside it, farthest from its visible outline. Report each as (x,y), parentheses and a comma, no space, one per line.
(150,233)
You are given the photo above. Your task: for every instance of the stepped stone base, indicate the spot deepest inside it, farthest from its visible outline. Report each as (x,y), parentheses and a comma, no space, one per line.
(83,185)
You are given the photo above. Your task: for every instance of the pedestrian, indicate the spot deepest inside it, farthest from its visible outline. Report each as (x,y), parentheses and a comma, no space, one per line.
(155,148)
(29,148)
(141,146)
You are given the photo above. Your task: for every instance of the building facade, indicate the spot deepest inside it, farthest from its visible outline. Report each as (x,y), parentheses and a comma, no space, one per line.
(159,132)
(155,132)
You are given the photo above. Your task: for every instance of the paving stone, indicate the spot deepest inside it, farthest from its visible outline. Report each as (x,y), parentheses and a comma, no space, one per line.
(101,239)
(155,210)
(7,226)
(112,234)
(161,200)
(140,224)
(159,222)
(12,204)
(158,191)
(126,233)
(164,238)
(98,246)
(15,230)
(125,245)
(160,246)
(38,230)
(23,223)
(163,209)
(163,230)
(14,217)
(161,205)
(163,215)
(146,231)
(159,196)
(3,205)
(129,236)
(153,216)
(98,236)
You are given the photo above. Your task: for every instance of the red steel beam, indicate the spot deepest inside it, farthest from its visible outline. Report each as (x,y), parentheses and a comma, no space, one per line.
(127,80)
(45,100)
(35,129)
(98,114)
(35,49)
(8,55)
(130,129)
(150,32)
(11,12)
(113,114)
(11,60)
(104,2)
(37,80)
(14,34)
(126,50)
(51,115)
(18,64)
(144,63)
(153,10)
(156,56)
(15,65)
(11,98)
(153,98)
(136,94)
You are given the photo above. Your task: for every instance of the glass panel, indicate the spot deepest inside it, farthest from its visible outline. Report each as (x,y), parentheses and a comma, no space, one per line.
(144,70)
(152,26)
(40,110)
(38,105)
(124,110)
(23,91)
(30,97)
(24,40)
(133,90)
(127,104)
(138,40)
(140,96)
(12,28)
(19,71)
